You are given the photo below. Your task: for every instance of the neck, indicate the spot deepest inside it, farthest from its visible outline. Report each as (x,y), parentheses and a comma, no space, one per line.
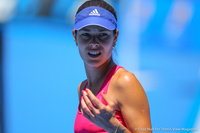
(98,74)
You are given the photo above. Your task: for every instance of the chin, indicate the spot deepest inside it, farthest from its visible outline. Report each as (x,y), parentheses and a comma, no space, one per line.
(95,64)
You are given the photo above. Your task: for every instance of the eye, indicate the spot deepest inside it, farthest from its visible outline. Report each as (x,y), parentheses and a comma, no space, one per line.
(85,34)
(102,34)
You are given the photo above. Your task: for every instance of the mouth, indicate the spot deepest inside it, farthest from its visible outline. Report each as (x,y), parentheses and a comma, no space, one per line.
(94,54)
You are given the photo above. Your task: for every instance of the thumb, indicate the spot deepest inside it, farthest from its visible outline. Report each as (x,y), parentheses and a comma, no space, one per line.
(107,100)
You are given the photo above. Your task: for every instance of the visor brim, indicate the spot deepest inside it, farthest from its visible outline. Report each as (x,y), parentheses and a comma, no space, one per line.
(95,21)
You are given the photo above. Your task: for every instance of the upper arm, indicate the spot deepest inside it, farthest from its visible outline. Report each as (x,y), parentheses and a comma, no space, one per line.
(133,102)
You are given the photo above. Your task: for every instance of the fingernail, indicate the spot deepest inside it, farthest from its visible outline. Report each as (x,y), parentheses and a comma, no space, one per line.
(83,91)
(104,92)
(86,90)
(81,97)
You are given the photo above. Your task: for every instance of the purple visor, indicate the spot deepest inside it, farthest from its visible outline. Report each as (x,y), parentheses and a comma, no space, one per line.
(95,16)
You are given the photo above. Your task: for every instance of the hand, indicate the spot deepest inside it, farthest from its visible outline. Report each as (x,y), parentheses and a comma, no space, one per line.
(95,111)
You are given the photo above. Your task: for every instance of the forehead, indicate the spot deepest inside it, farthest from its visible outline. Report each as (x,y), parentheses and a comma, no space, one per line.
(94,28)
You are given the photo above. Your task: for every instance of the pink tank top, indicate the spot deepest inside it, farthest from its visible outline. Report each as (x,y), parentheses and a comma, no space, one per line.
(82,124)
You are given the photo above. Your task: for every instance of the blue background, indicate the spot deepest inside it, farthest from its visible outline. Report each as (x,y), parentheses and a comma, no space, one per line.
(159,42)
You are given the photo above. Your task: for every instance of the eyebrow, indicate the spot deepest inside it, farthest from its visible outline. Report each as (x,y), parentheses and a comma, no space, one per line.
(103,30)
(85,29)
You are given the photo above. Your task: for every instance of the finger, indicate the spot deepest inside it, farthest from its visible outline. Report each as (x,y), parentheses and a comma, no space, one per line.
(85,114)
(85,108)
(107,100)
(89,103)
(94,100)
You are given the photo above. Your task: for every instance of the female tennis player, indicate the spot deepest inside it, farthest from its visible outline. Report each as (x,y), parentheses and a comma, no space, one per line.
(111,98)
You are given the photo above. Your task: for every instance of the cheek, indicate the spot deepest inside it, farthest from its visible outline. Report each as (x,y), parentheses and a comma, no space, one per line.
(81,53)
(108,44)
(106,41)
(108,51)
(82,40)
(81,49)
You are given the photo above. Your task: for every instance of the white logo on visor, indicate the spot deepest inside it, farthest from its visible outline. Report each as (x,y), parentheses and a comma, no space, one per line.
(94,13)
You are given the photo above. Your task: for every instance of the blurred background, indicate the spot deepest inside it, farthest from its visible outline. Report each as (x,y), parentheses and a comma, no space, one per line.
(159,42)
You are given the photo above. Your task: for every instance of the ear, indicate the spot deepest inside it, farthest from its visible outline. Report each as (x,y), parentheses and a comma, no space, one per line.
(116,38)
(74,35)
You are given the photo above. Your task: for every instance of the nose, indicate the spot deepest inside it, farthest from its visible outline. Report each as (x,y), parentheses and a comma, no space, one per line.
(94,43)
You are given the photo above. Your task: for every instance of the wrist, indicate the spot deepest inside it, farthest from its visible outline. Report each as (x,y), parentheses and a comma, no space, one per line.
(115,124)
(117,127)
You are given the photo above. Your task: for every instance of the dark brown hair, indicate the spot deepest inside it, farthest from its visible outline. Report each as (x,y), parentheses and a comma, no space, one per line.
(99,3)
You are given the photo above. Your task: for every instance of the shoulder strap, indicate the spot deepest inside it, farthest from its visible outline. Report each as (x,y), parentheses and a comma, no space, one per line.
(108,78)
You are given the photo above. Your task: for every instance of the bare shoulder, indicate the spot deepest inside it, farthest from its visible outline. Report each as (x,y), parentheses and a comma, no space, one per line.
(125,79)
(80,87)
(128,88)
